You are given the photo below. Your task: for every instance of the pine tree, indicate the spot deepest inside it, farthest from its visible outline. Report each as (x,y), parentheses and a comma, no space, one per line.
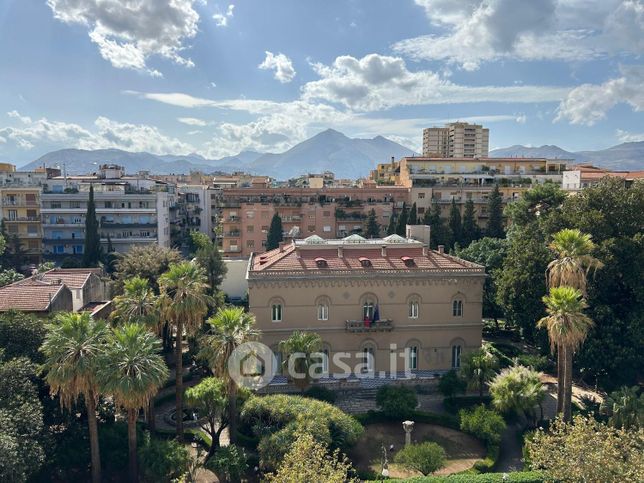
(401,226)
(92,252)
(391,227)
(372,229)
(455,227)
(413,215)
(275,233)
(495,213)
(470,230)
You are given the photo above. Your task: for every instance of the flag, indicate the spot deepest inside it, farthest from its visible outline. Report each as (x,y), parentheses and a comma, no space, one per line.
(376,314)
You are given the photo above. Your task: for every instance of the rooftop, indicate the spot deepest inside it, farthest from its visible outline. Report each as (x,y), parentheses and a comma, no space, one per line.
(30,295)
(72,277)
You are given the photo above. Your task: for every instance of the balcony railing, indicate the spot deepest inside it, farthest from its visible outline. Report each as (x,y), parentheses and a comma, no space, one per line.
(382,325)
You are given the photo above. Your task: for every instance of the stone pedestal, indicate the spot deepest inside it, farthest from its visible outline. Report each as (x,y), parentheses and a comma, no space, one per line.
(408,426)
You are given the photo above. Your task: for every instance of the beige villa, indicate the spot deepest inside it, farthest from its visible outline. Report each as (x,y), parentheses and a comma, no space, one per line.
(392,304)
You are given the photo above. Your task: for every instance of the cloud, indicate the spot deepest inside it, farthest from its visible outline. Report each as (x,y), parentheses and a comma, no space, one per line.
(589,103)
(192,121)
(478,31)
(127,33)
(629,137)
(221,19)
(281,64)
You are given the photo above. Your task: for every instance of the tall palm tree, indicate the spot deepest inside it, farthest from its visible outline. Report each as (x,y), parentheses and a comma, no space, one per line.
(132,371)
(230,327)
(478,367)
(570,268)
(72,347)
(625,408)
(567,327)
(184,304)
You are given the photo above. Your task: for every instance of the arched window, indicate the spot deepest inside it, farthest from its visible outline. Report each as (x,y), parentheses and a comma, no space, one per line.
(276,310)
(368,309)
(457,308)
(412,355)
(323,311)
(368,358)
(456,356)
(413,308)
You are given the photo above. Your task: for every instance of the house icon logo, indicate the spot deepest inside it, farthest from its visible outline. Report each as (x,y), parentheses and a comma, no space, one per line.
(252,365)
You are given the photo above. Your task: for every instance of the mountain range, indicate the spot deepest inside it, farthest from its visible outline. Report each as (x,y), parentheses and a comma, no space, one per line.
(329,150)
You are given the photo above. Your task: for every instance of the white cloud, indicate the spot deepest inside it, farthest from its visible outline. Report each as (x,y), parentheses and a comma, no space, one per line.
(221,19)
(192,121)
(629,137)
(281,64)
(129,32)
(589,103)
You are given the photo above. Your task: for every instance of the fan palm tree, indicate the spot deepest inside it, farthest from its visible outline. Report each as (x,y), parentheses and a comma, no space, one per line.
(184,304)
(567,328)
(132,371)
(72,347)
(230,327)
(625,408)
(518,389)
(305,343)
(478,367)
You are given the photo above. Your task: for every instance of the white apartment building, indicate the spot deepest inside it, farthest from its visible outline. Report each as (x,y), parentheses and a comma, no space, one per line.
(131,210)
(456,140)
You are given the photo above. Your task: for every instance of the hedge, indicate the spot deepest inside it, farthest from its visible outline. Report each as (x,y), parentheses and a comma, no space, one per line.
(515,477)
(447,420)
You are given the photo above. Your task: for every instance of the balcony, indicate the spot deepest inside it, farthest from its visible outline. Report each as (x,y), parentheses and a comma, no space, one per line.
(111,224)
(232,234)
(383,325)
(22,218)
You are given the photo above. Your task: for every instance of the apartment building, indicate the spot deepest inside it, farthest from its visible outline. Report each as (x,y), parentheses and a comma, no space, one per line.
(245,213)
(194,209)
(370,299)
(585,175)
(131,210)
(456,140)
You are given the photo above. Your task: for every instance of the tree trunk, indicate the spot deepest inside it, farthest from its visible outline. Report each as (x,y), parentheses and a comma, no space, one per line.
(179,380)
(150,418)
(232,410)
(131,439)
(560,378)
(567,409)
(90,404)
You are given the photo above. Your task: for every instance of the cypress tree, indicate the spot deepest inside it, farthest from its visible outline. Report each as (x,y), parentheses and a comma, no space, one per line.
(471,230)
(438,234)
(92,250)
(495,213)
(413,215)
(391,227)
(275,233)
(372,229)
(401,226)
(455,227)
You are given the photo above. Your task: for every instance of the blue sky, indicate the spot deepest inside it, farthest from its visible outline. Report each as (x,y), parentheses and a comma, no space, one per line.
(215,78)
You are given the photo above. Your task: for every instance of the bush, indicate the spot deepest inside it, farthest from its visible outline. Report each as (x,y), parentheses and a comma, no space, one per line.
(484,424)
(514,477)
(228,463)
(455,404)
(321,393)
(397,402)
(538,363)
(162,460)
(424,457)
(451,384)
(447,420)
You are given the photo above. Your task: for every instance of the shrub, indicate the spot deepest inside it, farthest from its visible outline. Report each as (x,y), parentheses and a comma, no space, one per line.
(321,393)
(396,401)
(228,463)
(424,457)
(455,404)
(162,460)
(514,477)
(451,384)
(538,363)
(483,423)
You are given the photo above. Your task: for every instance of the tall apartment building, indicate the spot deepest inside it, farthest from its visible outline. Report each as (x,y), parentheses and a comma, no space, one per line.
(456,140)
(245,213)
(132,210)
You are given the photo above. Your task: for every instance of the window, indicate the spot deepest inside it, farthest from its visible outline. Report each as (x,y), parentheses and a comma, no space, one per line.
(13,215)
(323,311)
(368,308)
(325,361)
(108,204)
(311,228)
(250,214)
(59,249)
(367,359)
(32,229)
(250,228)
(78,249)
(421,196)
(31,214)
(74,204)
(413,309)
(456,356)
(457,308)
(250,243)
(412,357)
(276,312)
(326,213)
(326,228)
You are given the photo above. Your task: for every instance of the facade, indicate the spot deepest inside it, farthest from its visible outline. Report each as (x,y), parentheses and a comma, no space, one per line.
(86,285)
(456,140)
(131,210)
(193,209)
(585,175)
(371,299)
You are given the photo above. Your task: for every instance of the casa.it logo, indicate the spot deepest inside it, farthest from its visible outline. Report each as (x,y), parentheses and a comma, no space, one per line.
(252,365)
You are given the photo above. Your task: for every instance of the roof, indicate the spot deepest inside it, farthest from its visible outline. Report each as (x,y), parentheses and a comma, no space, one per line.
(72,277)
(29,295)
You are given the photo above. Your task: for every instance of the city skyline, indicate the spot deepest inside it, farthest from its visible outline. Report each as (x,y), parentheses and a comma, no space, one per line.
(216,78)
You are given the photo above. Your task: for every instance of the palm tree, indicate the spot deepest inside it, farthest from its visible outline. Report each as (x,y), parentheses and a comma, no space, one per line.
(230,327)
(72,347)
(478,367)
(132,371)
(184,303)
(305,343)
(567,328)
(625,408)
(574,259)
(518,389)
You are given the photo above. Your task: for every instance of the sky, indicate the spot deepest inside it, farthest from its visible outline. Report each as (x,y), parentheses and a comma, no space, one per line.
(215,78)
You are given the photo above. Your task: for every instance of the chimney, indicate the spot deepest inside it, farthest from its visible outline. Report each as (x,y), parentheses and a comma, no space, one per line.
(441,248)
(340,254)
(383,251)
(424,251)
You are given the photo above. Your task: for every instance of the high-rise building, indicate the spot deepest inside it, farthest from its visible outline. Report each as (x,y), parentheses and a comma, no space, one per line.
(456,140)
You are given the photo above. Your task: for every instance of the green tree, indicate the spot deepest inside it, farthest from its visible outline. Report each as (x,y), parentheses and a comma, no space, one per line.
(470,229)
(21,335)
(148,261)
(209,257)
(455,227)
(574,260)
(567,327)
(450,384)
(72,347)
(426,457)
(3,244)
(184,304)
(230,327)
(413,215)
(439,232)
(518,390)
(485,424)
(396,401)
(401,223)
(372,228)
(132,371)
(478,367)
(228,463)
(300,351)
(391,227)
(210,399)
(163,460)
(10,276)
(625,408)
(275,233)
(138,303)
(92,251)
(495,214)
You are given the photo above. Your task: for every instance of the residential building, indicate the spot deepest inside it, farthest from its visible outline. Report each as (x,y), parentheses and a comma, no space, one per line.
(193,210)
(585,175)
(87,285)
(371,299)
(456,140)
(131,210)
(32,295)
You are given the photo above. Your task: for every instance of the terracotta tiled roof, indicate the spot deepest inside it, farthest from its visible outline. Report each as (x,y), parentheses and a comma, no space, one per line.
(29,295)
(72,277)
